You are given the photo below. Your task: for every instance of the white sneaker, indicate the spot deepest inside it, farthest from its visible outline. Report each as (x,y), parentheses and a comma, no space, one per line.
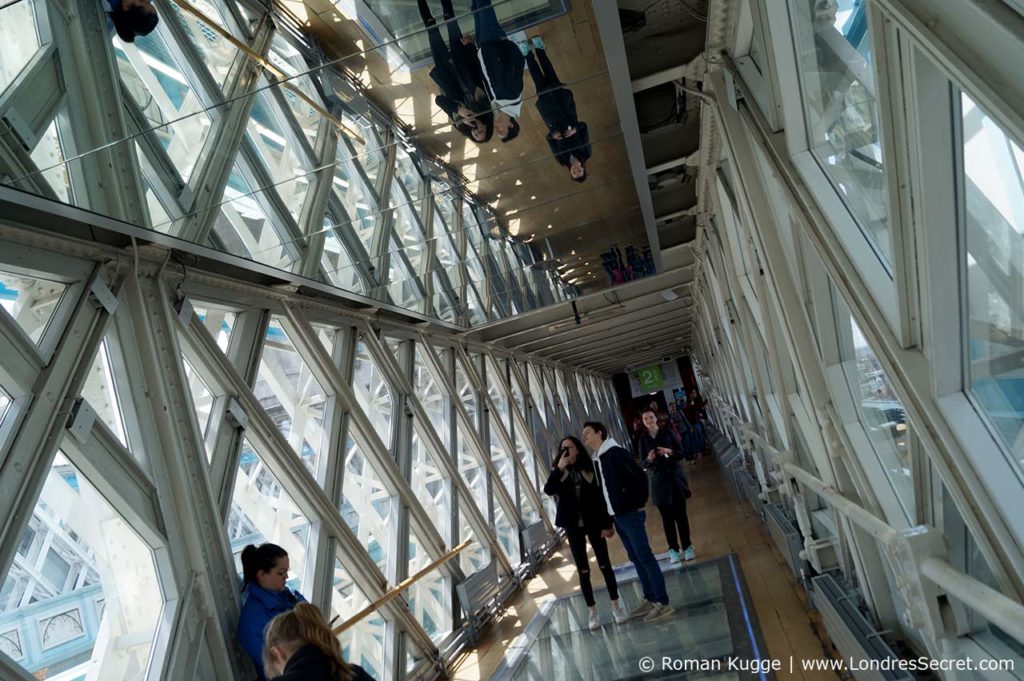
(619,613)
(595,621)
(641,610)
(659,613)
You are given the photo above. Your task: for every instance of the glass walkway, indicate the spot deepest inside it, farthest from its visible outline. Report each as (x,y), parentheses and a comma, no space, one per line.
(714,633)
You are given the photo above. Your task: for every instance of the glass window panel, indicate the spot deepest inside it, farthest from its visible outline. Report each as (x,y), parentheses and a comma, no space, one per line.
(357,198)
(363,644)
(245,229)
(432,398)
(406,171)
(101,392)
(537,393)
(49,154)
(994,201)
(467,393)
(442,306)
(444,199)
(216,52)
(368,150)
(881,413)
(339,268)
(472,471)
(508,535)
(95,598)
(163,93)
(477,554)
(217,321)
(496,391)
(528,509)
(30,301)
(202,401)
(373,393)
(19,40)
(411,238)
(839,91)
(403,284)
(367,505)
(292,396)
(524,450)
(5,404)
(262,511)
(284,56)
(502,461)
(430,598)
(268,134)
(476,308)
(431,486)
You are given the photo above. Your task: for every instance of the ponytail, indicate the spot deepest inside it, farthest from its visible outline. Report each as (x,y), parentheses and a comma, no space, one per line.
(305,625)
(256,559)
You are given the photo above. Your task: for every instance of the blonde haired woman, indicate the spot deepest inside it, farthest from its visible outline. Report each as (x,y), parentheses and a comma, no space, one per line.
(299,646)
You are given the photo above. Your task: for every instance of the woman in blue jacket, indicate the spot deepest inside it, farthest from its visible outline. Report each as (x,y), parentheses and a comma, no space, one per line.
(265,595)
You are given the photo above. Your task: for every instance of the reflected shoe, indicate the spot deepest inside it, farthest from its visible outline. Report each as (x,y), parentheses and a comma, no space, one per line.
(689,553)
(641,610)
(524,48)
(619,613)
(673,556)
(659,612)
(538,43)
(595,621)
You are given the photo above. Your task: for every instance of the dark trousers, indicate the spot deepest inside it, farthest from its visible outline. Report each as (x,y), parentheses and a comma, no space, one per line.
(633,534)
(485,21)
(542,71)
(438,49)
(578,545)
(674,516)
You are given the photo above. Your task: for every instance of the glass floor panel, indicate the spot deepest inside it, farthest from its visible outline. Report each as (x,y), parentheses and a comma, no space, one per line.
(712,635)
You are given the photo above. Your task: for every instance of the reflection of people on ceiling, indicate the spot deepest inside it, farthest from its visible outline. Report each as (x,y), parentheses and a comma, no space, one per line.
(457,73)
(567,135)
(133,18)
(503,70)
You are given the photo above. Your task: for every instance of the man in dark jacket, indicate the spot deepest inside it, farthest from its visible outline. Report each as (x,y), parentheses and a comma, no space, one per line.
(567,137)
(625,493)
(458,76)
(502,63)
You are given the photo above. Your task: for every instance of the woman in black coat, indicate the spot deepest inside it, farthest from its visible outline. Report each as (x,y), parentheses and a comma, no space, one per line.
(583,513)
(568,136)
(660,454)
(458,75)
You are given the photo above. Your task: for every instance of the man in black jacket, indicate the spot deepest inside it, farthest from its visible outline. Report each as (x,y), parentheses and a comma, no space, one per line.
(502,63)
(624,484)
(568,136)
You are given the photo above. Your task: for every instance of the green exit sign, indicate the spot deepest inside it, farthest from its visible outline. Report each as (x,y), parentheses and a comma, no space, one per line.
(650,378)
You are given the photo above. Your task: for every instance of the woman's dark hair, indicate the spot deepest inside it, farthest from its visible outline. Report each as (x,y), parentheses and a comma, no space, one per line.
(132,21)
(583,461)
(257,559)
(513,130)
(487,118)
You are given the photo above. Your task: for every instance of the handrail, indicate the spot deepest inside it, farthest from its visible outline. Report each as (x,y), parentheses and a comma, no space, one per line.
(1006,614)
(994,606)
(398,588)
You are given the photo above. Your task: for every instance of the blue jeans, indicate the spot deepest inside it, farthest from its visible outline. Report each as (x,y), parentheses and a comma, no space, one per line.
(633,534)
(485,23)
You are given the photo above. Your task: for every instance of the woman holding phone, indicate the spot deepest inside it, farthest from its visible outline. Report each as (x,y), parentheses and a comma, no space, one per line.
(581,511)
(661,453)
